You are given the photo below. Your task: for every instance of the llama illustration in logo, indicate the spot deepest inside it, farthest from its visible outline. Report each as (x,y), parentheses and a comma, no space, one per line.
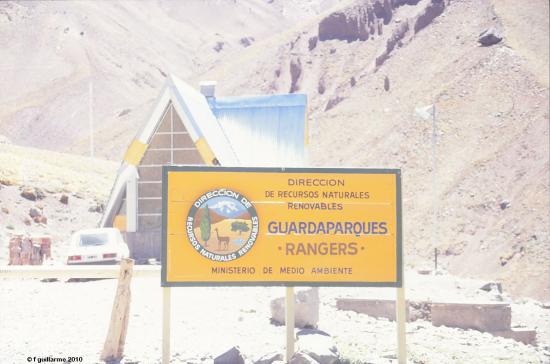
(226,216)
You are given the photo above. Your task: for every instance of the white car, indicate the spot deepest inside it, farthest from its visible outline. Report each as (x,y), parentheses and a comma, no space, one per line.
(97,246)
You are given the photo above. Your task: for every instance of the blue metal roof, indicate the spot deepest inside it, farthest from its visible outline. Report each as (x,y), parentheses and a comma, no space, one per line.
(264,130)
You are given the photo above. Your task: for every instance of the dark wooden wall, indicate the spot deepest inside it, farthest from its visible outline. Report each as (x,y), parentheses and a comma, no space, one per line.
(170,144)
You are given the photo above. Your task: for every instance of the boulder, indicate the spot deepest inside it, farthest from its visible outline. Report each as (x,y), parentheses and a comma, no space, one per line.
(311,332)
(492,286)
(40,219)
(98,207)
(489,37)
(269,358)
(218,47)
(302,358)
(424,271)
(295,73)
(5,210)
(64,199)
(232,356)
(353,23)
(29,194)
(33,194)
(333,102)
(504,204)
(434,9)
(306,308)
(319,346)
(246,41)
(34,212)
(312,43)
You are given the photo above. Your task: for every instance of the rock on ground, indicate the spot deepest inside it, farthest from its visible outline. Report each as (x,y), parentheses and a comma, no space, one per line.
(232,356)
(306,308)
(269,358)
(302,358)
(318,345)
(489,37)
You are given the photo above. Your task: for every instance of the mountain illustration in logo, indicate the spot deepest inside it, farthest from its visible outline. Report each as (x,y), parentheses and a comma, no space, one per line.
(227,207)
(222,225)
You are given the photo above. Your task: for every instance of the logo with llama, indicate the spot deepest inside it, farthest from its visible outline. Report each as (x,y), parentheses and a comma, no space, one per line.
(222,225)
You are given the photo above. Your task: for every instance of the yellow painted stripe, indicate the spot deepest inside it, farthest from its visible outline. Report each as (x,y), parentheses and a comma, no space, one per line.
(135,152)
(119,222)
(204,150)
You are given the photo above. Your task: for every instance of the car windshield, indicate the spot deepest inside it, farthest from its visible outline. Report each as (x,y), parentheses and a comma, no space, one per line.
(93,239)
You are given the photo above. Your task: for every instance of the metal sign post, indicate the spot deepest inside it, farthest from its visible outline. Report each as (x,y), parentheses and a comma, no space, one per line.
(166,307)
(289,320)
(401,307)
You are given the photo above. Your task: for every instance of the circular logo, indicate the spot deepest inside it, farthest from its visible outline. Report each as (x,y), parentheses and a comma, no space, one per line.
(222,225)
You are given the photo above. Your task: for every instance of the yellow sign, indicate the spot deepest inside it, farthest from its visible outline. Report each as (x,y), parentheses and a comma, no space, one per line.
(281,226)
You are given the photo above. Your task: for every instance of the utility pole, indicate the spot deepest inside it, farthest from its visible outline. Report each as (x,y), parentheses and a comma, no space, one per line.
(425,113)
(91,114)
(434,178)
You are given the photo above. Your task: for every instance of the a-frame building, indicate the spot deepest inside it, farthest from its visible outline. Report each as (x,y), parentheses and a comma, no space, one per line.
(188,127)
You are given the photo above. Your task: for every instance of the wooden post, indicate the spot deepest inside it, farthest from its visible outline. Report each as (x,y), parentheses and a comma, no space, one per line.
(289,320)
(113,349)
(166,301)
(401,320)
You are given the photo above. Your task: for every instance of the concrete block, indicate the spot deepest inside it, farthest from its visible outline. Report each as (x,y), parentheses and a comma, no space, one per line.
(372,307)
(526,336)
(487,317)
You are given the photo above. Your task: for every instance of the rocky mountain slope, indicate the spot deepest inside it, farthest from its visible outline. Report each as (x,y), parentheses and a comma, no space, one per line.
(62,61)
(366,66)
(367,69)
(50,193)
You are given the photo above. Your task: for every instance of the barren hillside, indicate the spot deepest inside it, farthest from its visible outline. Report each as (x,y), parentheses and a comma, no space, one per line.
(365,65)
(61,61)
(492,171)
(43,177)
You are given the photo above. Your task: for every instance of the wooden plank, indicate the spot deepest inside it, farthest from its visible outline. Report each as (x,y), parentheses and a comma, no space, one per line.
(144,244)
(183,141)
(149,222)
(113,349)
(187,157)
(178,123)
(161,141)
(156,157)
(150,173)
(150,189)
(166,123)
(67,271)
(149,206)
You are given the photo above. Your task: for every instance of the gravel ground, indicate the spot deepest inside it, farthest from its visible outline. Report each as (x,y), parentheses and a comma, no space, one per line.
(71,319)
